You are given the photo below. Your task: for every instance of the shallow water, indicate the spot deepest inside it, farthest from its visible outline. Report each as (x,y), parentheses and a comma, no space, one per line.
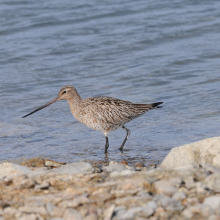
(144,52)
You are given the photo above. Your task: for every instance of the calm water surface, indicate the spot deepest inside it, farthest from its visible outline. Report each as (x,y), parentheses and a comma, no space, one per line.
(141,51)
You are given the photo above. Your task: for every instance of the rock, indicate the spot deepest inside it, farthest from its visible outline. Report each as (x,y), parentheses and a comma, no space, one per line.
(211,168)
(187,213)
(10,211)
(114,166)
(56,219)
(200,152)
(109,212)
(80,200)
(28,217)
(8,169)
(168,203)
(213,182)
(72,214)
(72,168)
(44,185)
(149,209)
(213,202)
(179,196)
(32,209)
(121,173)
(165,187)
(130,214)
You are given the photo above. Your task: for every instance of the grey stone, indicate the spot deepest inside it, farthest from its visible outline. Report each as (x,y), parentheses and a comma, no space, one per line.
(147,211)
(213,182)
(187,213)
(200,152)
(50,207)
(168,203)
(10,169)
(121,173)
(74,202)
(72,214)
(10,211)
(41,186)
(211,168)
(114,166)
(130,214)
(32,209)
(179,196)
(212,201)
(109,212)
(28,217)
(165,187)
(56,218)
(72,168)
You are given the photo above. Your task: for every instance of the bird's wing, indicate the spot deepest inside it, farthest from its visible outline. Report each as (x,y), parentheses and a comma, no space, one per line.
(113,111)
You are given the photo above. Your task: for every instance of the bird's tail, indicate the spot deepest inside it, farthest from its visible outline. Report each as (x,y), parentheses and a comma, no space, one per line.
(146,107)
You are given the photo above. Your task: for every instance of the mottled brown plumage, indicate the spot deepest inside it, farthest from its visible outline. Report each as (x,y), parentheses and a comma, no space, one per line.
(104,114)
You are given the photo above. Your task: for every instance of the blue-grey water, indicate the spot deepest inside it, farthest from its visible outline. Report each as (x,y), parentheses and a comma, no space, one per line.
(141,51)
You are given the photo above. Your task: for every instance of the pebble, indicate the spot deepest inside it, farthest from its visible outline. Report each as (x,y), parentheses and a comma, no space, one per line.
(74,191)
(213,202)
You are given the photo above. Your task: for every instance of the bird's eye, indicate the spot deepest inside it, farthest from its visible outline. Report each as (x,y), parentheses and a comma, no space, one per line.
(64,92)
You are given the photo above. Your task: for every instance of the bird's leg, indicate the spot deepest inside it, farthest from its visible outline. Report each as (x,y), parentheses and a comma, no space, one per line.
(106,144)
(128,133)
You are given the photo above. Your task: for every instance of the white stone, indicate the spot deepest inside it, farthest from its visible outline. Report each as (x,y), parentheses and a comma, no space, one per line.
(165,187)
(179,196)
(9,169)
(28,217)
(72,214)
(130,214)
(108,212)
(200,152)
(212,201)
(80,167)
(114,166)
(121,173)
(32,209)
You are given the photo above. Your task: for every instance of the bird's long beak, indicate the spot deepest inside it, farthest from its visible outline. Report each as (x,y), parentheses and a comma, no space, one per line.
(44,106)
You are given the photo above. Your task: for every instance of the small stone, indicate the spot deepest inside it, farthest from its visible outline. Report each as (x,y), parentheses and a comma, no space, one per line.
(92,216)
(56,219)
(114,166)
(28,217)
(121,173)
(10,211)
(57,212)
(50,207)
(213,202)
(165,187)
(130,214)
(179,196)
(147,211)
(26,184)
(80,167)
(72,214)
(187,213)
(213,182)
(75,202)
(31,209)
(44,185)
(169,204)
(108,212)
(213,217)
(9,169)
